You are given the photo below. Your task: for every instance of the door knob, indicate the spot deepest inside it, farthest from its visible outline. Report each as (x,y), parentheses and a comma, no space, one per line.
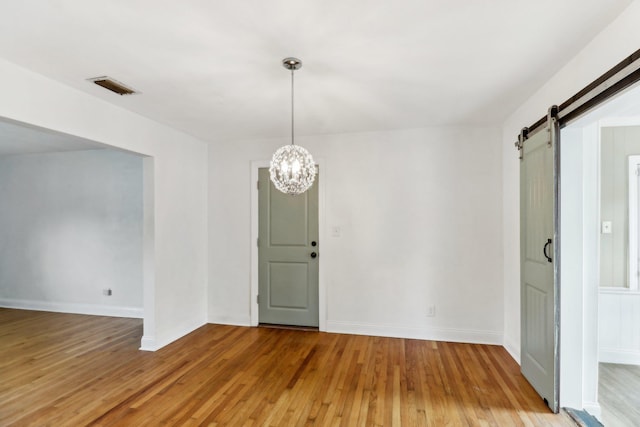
(314,243)
(313,254)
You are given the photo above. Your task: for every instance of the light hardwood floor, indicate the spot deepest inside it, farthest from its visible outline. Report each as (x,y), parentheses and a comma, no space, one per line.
(619,394)
(72,370)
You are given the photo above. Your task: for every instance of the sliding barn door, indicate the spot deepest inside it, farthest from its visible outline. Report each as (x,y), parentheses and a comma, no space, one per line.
(538,261)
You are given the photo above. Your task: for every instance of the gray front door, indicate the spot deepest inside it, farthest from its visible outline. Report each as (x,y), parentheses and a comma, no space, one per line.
(288,255)
(538,257)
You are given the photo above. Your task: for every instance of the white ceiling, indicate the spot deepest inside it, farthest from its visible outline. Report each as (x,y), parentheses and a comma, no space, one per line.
(213,68)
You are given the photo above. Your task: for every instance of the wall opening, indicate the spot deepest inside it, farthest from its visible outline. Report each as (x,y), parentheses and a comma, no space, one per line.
(76,225)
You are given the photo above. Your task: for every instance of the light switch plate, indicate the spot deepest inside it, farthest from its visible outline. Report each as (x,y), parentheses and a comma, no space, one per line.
(606,227)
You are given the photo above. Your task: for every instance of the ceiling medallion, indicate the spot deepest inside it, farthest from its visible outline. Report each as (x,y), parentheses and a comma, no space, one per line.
(292,167)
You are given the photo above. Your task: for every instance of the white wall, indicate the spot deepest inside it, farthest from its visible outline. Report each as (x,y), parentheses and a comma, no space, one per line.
(175,291)
(71,226)
(420,218)
(618,309)
(618,320)
(617,144)
(614,43)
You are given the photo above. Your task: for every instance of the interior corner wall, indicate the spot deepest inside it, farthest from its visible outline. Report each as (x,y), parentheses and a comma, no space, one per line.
(616,42)
(70,227)
(617,144)
(175,302)
(420,219)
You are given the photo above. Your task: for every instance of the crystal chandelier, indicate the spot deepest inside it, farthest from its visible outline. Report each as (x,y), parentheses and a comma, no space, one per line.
(292,168)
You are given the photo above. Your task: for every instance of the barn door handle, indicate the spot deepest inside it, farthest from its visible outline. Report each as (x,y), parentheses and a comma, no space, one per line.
(544,250)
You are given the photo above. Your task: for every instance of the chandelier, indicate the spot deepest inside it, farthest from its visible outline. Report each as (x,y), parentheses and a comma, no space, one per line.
(292,168)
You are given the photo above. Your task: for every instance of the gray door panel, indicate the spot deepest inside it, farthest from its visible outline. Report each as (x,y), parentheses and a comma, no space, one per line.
(539,362)
(287,274)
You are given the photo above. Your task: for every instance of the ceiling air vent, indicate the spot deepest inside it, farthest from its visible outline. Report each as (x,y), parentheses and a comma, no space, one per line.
(113,85)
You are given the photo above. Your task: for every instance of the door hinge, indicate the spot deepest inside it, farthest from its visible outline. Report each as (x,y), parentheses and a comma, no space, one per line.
(258,242)
(258,299)
(257,185)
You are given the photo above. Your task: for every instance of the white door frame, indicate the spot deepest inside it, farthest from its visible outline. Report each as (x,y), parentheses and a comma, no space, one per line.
(322,289)
(579,266)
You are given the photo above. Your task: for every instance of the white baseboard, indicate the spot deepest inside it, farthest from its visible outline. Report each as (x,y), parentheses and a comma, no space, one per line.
(148,343)
(153,343)
(62,307)
(393,331)
(412,332)
(512,348)
(621,356)
(229,320)
(593,408)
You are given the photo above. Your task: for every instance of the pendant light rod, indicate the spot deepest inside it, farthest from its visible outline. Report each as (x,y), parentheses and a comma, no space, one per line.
(292,64)
(292,107)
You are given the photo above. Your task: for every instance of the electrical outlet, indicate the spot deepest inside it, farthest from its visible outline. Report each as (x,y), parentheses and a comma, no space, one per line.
(107,292)
(431,311)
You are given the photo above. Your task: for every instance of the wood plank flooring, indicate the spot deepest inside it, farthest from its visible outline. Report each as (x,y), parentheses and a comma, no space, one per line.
(72,370)
(619,394)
